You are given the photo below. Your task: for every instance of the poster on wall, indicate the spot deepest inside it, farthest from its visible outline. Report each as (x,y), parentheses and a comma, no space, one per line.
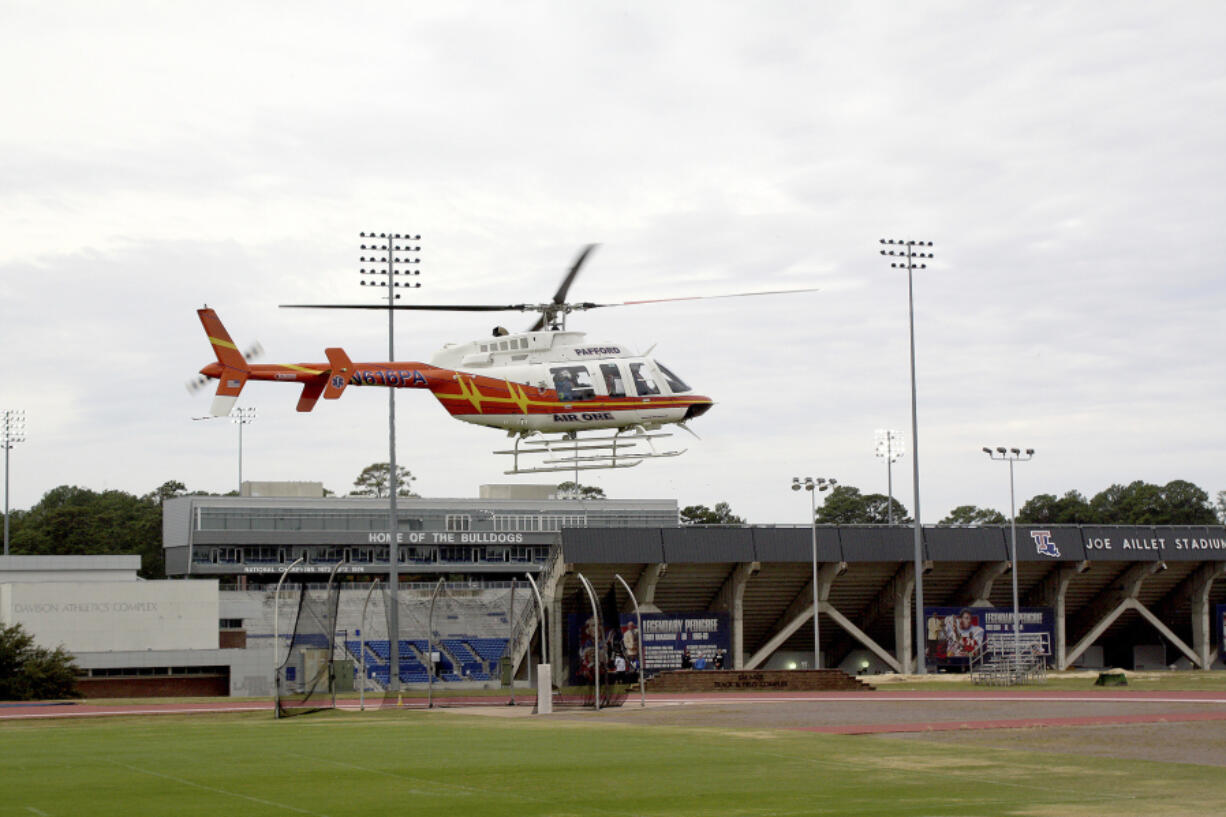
(954,634)
(678,641)
(1221,632)
(667,641)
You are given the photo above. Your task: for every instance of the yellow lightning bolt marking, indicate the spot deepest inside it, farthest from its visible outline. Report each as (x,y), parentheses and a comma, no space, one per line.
(518,396)
(470,391)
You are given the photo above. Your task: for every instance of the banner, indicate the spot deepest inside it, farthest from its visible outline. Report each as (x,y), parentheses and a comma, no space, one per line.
(678,641)
(953,634)
(1221,631)
(668,641)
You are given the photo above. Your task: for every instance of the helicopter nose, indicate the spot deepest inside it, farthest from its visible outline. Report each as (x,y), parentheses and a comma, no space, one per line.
(697,409)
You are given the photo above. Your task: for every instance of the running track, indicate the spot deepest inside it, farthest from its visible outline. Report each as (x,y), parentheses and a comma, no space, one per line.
(1212,707)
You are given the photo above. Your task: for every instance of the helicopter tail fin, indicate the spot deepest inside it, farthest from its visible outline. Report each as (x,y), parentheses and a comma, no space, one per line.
(234,367)
(342,369)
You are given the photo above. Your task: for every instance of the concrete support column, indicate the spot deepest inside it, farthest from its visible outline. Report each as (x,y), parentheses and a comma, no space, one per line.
(901,588)
(731,600)
(1052,593)
(1202,611)
(977,591)
(645,587)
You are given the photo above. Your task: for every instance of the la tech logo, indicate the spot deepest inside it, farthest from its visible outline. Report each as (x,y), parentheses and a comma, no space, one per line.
(1043,544)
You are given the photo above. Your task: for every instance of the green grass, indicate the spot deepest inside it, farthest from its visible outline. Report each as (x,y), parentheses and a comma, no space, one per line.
(425,763)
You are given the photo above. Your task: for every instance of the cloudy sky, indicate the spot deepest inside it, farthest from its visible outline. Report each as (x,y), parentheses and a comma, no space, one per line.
(1066,160)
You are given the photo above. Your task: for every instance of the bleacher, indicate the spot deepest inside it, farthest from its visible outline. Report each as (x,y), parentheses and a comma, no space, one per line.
(477,659)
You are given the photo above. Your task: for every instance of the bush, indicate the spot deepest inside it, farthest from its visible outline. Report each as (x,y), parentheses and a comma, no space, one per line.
(29,672)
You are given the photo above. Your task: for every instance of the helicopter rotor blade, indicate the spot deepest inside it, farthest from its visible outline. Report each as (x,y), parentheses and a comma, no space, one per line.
(422,307)
(559,297)
(730,295)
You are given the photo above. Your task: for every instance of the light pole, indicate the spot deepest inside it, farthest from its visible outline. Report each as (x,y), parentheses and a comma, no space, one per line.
(889,447)
(12,431)
(241,417)
(814,487)
(1012,455)
(393,265)
(907,255)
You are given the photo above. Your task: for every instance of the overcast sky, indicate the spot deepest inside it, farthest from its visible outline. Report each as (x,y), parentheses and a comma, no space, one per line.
(1066,159)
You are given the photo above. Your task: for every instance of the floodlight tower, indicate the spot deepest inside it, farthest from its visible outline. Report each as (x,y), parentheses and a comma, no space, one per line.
(889,448)
(910,254)
(1012,455)
(393,260)
(241,417)
(814,487)
(12,431)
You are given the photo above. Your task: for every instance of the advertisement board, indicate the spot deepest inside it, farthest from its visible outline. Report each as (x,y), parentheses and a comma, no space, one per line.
(668,641)
(954,634)
(1221,632)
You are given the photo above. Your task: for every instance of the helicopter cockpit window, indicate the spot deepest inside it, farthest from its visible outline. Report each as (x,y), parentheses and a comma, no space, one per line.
(613,382)
(572,383)
(644,383)
(676,384)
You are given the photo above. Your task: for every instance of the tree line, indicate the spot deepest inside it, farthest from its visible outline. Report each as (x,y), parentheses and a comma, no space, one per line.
(1138,503)
(74,520)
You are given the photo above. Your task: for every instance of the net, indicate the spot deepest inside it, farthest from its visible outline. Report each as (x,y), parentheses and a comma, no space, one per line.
(305,681)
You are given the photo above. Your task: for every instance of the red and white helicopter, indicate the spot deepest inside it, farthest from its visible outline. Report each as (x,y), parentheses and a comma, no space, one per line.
(545,387)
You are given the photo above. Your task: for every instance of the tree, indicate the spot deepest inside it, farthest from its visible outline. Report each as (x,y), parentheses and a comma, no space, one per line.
(972,515)
(721,514)
(1046,509)
(375,480)
(1140,503)
(575,490)
(29,672)
(845,505)
(74,520)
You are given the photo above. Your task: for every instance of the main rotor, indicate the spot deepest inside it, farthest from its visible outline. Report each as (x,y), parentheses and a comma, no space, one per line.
(552,313)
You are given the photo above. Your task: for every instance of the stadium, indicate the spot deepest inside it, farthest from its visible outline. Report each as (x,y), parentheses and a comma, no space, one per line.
(1140,598)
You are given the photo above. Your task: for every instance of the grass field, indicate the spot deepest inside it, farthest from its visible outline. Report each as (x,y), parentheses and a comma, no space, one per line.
(447,763)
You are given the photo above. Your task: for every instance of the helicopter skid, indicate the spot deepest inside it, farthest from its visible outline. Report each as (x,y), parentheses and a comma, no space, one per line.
(561,452)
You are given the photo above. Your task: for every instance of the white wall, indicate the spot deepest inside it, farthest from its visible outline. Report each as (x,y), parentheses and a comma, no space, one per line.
(115,616)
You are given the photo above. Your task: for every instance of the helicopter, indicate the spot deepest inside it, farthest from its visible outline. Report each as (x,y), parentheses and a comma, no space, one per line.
(576,403)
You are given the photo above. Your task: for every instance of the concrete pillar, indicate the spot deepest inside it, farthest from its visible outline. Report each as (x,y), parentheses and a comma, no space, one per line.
(731,600)
(901,588)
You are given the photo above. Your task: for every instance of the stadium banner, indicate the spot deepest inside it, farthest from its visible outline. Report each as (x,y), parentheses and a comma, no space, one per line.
(668,638)
(1221,631)
(953,634)
(668,641)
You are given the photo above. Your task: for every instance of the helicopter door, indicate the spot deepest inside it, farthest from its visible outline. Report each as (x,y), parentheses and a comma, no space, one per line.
(644,383)
(614,384)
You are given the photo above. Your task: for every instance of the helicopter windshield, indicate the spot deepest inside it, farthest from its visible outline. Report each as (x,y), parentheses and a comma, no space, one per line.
(676,384)
(644,383)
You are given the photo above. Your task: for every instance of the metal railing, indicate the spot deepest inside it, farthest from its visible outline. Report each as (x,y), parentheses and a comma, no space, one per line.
(1006,661)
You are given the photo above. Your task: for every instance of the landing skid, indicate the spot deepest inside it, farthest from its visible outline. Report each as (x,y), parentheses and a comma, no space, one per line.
(569,452)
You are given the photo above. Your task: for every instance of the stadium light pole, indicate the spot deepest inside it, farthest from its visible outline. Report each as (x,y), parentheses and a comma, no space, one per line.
(1012,455)
(391,260)
(909,254)
(241,417)
(889,447)
(12,431)
(814,487)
